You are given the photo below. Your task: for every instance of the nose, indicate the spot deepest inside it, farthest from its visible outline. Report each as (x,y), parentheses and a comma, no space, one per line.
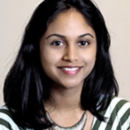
(71,53)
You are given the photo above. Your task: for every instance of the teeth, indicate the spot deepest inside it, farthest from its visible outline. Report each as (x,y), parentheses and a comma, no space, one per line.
(71,69)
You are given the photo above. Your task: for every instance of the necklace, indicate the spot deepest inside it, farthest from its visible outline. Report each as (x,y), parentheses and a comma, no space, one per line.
(78,126)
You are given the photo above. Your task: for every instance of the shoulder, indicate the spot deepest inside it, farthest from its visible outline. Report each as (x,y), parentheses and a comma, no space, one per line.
(118,106)
(117,115)
(6,121)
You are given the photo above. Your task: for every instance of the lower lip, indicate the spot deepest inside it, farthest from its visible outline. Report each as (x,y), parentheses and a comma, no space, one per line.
(71,72)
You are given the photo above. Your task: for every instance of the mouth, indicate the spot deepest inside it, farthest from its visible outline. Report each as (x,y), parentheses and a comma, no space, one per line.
(70,70)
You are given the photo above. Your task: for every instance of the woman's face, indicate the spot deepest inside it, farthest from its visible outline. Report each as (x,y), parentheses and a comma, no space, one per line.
(68,49)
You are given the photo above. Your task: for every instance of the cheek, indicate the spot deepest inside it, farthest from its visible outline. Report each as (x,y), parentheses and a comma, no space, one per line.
(89,60)
(89,56)
(46,61)
(49,58)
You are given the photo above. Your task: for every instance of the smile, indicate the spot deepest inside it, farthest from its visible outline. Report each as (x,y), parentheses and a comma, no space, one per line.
(70,70)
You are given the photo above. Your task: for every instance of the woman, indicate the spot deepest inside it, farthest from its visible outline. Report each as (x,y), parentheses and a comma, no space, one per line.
(62,77)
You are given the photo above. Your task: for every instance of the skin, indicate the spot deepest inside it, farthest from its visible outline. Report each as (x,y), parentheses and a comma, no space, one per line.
(76,47)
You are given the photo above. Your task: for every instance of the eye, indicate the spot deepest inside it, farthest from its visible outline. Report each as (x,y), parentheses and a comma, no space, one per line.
(83,43)
(57,43)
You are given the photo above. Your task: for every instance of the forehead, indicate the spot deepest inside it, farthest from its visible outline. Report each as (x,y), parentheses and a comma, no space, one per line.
(69,22)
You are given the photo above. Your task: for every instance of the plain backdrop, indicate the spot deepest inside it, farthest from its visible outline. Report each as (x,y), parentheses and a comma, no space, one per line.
(14,15)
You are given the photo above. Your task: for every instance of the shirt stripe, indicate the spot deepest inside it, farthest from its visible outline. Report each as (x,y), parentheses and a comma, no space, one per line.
(120,114)
(3,127)
(109,111)
(11,122)
(117,113)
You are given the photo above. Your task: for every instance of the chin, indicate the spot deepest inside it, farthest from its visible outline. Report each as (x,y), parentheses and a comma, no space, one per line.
(72,85)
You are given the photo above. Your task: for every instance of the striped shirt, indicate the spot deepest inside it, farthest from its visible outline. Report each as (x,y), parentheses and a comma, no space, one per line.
(117,113)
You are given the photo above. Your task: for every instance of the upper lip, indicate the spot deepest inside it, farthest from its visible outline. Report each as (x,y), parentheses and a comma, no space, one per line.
(70,66)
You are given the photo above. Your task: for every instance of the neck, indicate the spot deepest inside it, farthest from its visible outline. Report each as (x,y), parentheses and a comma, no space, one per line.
(65,99)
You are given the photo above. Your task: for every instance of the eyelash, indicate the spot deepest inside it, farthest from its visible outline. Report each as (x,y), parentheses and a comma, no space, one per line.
(53,43)
(56,43)
(83,43)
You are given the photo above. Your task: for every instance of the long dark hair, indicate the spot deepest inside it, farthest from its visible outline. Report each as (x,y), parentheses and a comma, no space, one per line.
(26,85)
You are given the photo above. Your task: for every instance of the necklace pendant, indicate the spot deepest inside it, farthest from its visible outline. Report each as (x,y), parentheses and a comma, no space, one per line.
(78,126)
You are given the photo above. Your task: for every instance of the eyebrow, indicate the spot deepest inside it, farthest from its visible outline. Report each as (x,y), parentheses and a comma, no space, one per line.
(62,36)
